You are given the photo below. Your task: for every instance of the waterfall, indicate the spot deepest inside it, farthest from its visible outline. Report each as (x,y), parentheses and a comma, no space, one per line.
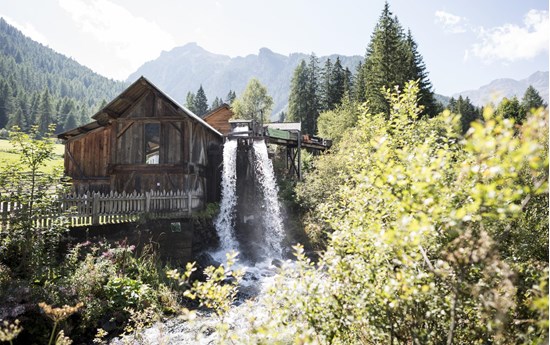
(250,215)
(271,220)
(225,222)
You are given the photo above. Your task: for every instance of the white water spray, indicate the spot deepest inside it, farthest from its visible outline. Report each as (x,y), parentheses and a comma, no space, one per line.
(272,213)
(225,222)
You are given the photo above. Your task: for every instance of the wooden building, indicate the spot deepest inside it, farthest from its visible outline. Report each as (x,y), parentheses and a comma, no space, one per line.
(219,118)
(143,140)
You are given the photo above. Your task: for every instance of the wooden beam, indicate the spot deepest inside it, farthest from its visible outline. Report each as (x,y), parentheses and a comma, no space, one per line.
(70,155)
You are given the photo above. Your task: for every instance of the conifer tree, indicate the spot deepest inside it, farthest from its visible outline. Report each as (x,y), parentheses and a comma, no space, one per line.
(231,95)
(392,59)
(417,71)
(45,116)
(298,99)
(5,103)
(337,84)
(532,99)
(216,103)
(313,102)
(190,101)
(201,102)
(359,88)
(468,112)
(326,86)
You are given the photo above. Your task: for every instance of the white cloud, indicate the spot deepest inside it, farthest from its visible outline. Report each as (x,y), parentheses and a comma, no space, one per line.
(27,29)
(511,42)
(451,23)
(130,39)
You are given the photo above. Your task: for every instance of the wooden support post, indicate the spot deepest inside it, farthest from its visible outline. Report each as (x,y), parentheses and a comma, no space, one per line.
(299,156)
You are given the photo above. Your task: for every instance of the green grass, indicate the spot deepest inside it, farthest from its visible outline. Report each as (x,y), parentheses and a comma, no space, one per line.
(8,156)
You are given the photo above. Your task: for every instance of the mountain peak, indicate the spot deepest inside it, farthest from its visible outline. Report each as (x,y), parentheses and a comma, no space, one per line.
(497,89)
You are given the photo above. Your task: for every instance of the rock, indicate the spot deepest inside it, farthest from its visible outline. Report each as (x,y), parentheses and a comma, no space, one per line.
(277,263)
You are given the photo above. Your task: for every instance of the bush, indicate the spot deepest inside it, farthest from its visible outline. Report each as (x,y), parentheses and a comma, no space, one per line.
(426,229)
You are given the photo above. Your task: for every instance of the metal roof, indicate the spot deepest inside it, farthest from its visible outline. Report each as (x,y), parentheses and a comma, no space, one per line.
(286,126)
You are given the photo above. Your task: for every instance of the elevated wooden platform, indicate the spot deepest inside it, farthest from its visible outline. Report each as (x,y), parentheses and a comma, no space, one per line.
(288,134)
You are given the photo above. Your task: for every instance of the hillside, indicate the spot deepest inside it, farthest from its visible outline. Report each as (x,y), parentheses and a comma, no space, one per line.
(185,68)
(506,87)
(28,68)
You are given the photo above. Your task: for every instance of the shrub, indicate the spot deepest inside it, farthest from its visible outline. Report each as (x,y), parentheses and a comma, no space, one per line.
(426,229)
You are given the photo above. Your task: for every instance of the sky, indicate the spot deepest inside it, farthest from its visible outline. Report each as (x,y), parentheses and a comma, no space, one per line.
(464,43)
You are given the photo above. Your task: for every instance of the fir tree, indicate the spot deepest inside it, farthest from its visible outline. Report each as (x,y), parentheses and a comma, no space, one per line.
(190,102)
(70,122)
(5,103)
(337,84)
(392,59)
(417,71)
(231,95)
(313,103)
(216,103)
(532,99)
(326,86)
(201,102)
(45,116)
(468,112)
(298,99)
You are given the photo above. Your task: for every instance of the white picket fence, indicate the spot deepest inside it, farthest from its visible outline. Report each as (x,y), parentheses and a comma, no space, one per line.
(97,208)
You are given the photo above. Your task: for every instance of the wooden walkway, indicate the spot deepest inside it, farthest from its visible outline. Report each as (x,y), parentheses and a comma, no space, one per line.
(97,209)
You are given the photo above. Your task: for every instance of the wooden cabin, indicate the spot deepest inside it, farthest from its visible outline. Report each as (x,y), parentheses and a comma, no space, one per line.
(219,118)
(143,140)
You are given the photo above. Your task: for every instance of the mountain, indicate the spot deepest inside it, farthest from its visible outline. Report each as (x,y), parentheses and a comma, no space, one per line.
(496,90)
(185,68)
(28,69)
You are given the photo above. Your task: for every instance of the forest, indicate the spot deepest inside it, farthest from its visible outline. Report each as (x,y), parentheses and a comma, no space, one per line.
(425,223)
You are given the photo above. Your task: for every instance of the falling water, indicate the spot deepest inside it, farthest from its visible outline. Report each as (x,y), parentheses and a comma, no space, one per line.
(259,275)
(272,211)
(225,222)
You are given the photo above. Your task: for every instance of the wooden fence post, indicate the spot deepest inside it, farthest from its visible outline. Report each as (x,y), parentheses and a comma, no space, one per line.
(147,201)
(95,208)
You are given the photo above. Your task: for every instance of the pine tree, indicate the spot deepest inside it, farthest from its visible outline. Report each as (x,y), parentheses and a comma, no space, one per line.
(190,102)
(417,71)
(348,82)
(70,122)
(337,84)
(201,102)
(384,61)
(326,86)
(468,112)
(231,95)
(34,109)
(5,103)
(298,99)
(313,102)
(45,116)
(17,119)
(532,99)
(216,103)
(392,59)
(359,88)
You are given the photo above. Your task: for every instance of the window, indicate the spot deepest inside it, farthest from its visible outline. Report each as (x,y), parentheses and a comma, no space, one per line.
(152,143)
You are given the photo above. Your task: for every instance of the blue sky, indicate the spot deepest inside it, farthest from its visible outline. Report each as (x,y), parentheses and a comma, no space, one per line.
(465,43)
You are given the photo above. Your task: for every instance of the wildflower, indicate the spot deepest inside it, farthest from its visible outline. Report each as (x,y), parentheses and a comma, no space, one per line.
(9,331)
